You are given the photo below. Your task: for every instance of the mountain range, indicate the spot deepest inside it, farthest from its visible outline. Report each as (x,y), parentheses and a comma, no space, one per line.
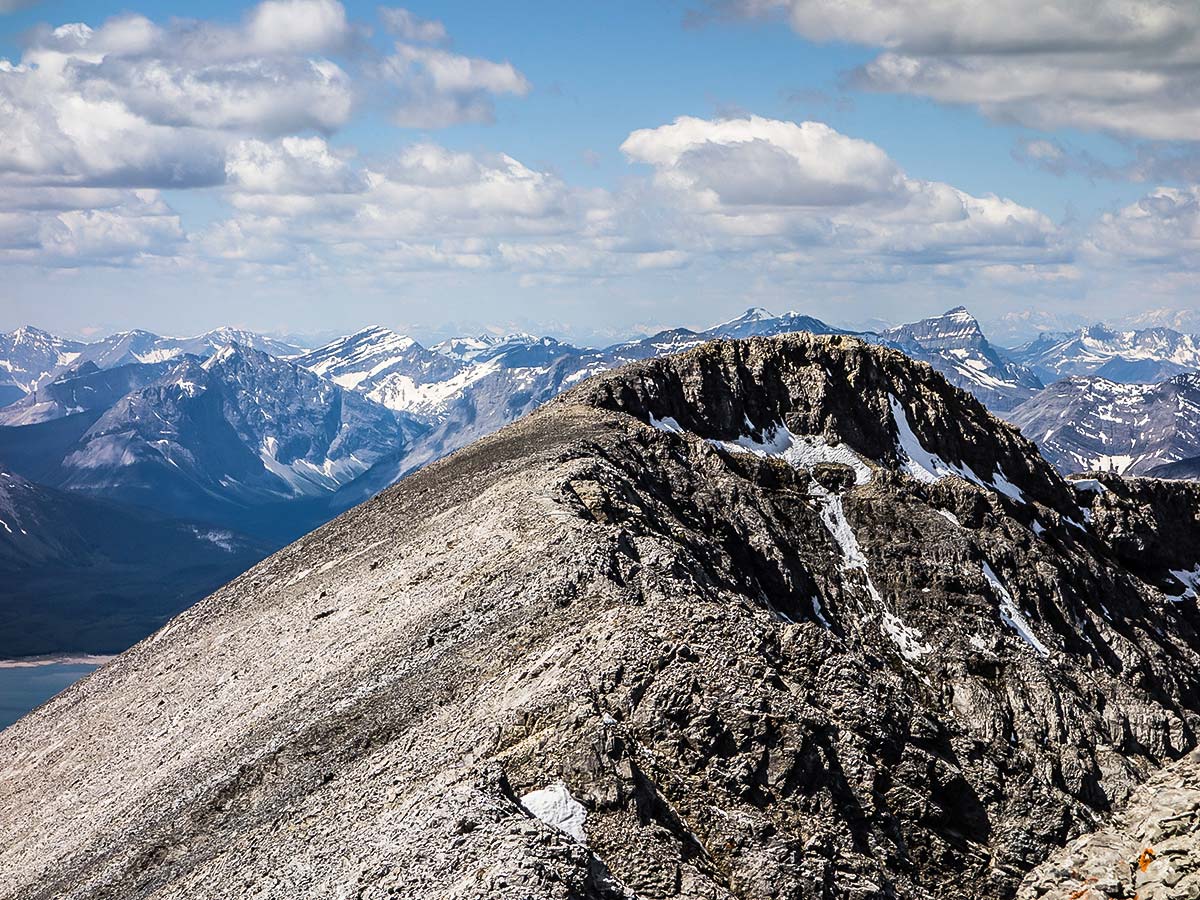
(263,439)
(29,357)
(1145,355)
(774,617)
(1091,423)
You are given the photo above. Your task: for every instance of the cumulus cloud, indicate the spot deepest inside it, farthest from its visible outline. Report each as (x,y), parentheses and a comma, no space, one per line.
(425,207)
(124,227)
(1160,229)
(95,117)
(292,165)
(297,26)
(132,103)
(796,186)
(762,196)
(759,161)
(137,104)
(1127,67)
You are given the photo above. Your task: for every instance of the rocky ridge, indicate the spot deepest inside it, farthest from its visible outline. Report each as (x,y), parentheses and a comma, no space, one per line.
(787,617)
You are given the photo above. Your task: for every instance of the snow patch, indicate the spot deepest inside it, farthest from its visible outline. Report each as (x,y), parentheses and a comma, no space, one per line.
(1117,462)
(555,806)
(1190,581)
(819,612)
(800,450)
(667,424)
(1010,613)
(833,515)
(223,539)
(927,467)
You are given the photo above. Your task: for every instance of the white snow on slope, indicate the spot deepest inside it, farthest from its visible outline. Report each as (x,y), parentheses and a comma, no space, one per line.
(833,515)
(800,450)
(928,467)
(555,806)
(1190,581)
(1010,613)
(667,424)
(403,394)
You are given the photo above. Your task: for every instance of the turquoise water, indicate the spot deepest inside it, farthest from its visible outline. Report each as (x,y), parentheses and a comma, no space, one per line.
(21,689)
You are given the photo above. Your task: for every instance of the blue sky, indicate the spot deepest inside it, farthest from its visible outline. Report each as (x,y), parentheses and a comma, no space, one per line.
(596,169)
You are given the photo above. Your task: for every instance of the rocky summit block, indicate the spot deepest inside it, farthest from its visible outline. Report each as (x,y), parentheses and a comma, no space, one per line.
(771,618)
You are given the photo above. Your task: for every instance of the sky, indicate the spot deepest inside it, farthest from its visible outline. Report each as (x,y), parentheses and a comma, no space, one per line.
(595,170)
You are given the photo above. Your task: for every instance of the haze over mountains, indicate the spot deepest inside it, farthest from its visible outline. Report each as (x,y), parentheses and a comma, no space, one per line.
(263,440)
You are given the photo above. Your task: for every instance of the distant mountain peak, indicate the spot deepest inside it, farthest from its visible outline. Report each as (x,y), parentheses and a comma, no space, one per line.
(752,314)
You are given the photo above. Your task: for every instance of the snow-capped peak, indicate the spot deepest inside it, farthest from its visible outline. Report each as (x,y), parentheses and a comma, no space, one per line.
(753,314)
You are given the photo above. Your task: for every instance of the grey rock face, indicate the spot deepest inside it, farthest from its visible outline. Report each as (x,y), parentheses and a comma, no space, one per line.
(1150,851)
(772,618)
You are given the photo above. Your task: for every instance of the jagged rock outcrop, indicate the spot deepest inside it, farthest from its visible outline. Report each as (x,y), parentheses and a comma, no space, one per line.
(1150,851)
(771,618)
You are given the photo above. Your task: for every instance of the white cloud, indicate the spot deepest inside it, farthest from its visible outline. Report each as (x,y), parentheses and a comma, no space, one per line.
(130,226)
(759,161)
(793,187)
(411,27)
(436,88)
(426,207)
(787,201)
(130,103)
(298,26)
(292,165)
(980,26)
(1162,229)
(1127,67)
